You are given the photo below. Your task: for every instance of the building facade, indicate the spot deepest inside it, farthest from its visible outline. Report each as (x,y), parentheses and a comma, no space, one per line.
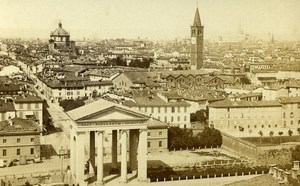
(160,107)
(234,115)
(19,137)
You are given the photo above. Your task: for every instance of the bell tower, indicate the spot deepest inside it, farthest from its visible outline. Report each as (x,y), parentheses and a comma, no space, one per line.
(197,42)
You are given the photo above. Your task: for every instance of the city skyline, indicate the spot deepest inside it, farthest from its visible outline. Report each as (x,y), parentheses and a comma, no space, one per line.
(149,19)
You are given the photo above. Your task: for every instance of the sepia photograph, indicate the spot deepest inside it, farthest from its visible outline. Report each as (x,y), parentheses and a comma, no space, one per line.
(149,92)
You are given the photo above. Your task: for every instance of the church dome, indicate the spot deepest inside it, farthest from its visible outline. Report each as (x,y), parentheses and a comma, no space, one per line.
(60,31)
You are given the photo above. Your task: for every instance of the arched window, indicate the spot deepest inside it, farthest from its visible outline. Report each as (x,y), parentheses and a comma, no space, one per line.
(193,32)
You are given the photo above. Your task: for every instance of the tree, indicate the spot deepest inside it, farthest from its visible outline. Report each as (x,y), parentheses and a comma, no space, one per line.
(210,137)
(280,133)
(296,153)
(71,104)
(179,138)
(261,135)
(271,133)
(183,138)
(200,115)
(245,80)
(144,63)
(290,132)
(179,67)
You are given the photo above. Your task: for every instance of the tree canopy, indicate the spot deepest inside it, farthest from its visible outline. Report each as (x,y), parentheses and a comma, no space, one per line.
(296,153)
(183,138)
(200,115)
(144,63)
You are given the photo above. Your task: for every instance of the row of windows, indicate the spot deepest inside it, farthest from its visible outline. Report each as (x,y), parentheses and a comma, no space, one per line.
(4,152)
(173,109)
(291,115)
(159,144)
(263,126)
(194,32)
(149,133)
(292,122)
(36,105)
(172,119)
(18,140)
(122,83)
(255,126)
(242,116)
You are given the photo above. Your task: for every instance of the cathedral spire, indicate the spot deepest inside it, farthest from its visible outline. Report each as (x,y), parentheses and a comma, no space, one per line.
(197,21)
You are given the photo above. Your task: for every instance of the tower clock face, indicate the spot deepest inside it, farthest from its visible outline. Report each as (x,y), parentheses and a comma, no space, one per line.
(193,40)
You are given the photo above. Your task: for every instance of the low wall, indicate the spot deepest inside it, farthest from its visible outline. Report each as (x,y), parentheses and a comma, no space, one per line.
(242,147)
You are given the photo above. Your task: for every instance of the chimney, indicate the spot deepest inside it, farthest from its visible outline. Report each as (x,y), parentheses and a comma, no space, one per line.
(10,121)
(158,76)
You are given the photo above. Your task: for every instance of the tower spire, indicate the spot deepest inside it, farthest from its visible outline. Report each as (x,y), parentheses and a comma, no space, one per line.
(197,21)
(59,24)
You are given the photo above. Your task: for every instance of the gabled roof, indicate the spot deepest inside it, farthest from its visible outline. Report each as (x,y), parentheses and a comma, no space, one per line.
(6,106)
(28,99)
(19,126)
(101,106)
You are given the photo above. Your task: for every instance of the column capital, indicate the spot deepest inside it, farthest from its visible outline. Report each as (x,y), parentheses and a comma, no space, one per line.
(100,132)
(79,133)
(124,131)
(143,130)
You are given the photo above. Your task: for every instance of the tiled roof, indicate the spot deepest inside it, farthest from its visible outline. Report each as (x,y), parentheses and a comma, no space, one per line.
(289,99)
(10,87)
(235,104)
(156,124)
(97,83)
(18,126)
(153,101)
(28,99)
(6,106)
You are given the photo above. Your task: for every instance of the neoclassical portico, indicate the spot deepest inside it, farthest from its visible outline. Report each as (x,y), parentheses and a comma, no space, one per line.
(127,127)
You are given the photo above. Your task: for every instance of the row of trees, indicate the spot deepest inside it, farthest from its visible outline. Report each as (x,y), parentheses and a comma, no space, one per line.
(184,138)
(144,63)
(280,133)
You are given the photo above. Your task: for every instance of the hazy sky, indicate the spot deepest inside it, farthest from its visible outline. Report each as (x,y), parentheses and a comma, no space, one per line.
(155,19)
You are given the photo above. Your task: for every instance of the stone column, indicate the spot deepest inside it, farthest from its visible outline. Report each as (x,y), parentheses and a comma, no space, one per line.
(72,153)
(294,173)
(275,172)
(142,156)
(271,171)
(80,159)
(280,174)
(92,152)
(124,157)
(296,165)
(114,151)
(99,158)
(285,177)
(133,149)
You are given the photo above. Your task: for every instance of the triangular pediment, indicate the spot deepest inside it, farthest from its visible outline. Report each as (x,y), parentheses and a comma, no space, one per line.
(114,114)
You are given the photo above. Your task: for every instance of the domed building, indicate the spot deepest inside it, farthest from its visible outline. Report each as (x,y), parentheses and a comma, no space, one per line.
(60,41)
